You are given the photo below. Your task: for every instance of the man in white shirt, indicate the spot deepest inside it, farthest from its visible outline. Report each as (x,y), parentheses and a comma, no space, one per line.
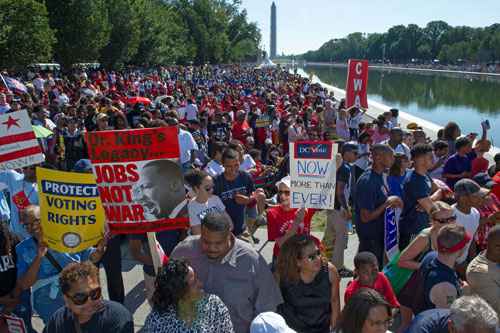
(191,110)
(467,193)
(396,142)
(187,145)
(214,167)
(39,83)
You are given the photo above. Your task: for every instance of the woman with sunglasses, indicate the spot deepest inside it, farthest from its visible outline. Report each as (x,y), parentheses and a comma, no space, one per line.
(366,312)
(181,306)
(309,285)
(85,310)
(204,201)
(283,221)
(426,241)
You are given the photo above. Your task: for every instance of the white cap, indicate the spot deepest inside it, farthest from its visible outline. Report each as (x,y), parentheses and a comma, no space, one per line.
(285,181)
(270,322)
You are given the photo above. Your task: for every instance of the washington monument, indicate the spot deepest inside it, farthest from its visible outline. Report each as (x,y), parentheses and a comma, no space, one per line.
(273,31)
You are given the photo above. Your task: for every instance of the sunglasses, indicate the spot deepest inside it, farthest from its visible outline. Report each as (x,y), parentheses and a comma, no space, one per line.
(209,188)
(313,256)
(284,192)
(446,220)
(82,298)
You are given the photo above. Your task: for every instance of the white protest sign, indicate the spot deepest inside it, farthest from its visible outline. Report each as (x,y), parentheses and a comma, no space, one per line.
(312,172)
(18,144)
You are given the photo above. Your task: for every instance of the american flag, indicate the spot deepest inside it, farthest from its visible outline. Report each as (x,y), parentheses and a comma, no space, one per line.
(14,85)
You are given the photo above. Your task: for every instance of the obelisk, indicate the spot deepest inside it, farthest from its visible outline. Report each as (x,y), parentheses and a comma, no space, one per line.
(273,31)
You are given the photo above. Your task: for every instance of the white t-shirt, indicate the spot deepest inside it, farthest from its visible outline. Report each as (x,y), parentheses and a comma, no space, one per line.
(355,120)
(363,161)
(401,148)
(197,211)
(470,222)
(214,168)
(186,144)
(39,83)
(248,163)
(191,112)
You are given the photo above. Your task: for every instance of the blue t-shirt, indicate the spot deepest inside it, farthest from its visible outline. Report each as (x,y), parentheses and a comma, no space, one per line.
(371,192)
(435,272)
(395,184)
(456,165)
(415,187)
(15,184)
(430,321)
(48,298)
(243,184)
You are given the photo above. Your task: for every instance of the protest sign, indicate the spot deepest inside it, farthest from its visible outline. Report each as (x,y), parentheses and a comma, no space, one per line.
(72,216)
(11,324)
(312,173)
(18,145)
(139,179)
(391,231)
(357,82)
(263,121)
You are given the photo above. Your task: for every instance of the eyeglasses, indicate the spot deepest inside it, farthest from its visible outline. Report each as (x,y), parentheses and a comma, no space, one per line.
(82,298)
(446,220)
(313,256)
(284,192)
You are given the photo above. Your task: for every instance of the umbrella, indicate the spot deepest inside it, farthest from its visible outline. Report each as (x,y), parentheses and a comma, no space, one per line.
(137,99)
(41,132)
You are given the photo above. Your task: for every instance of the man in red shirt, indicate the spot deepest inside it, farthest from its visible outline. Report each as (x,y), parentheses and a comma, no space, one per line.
(368,276)
(240,127)
(283,222)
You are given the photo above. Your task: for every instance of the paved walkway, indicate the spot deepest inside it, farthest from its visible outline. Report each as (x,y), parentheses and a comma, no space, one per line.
(134,284)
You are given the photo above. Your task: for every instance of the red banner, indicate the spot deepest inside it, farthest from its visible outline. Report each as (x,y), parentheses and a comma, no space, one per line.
(357,82)
(139,179)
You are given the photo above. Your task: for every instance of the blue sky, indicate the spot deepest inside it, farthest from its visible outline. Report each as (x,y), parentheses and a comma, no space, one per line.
(306,24)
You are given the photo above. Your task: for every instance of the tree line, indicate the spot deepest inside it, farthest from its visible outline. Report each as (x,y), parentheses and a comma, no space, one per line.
(411,43)
(118,33)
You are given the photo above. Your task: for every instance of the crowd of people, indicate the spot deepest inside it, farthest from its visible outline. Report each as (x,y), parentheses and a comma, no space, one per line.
(235,124)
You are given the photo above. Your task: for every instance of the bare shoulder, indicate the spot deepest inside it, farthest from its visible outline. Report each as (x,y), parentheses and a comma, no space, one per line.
(333,274)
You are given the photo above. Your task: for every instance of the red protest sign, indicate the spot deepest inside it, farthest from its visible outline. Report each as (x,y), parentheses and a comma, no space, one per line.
(139,179)
(357,82)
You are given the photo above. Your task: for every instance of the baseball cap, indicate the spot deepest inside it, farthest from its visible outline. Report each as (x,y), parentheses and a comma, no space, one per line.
(270,322)
(468,187)
(349,147)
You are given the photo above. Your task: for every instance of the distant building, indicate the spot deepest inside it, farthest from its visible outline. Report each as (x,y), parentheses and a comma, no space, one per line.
(273,31)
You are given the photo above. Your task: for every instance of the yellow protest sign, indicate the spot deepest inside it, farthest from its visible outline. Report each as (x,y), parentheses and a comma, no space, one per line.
(72,216)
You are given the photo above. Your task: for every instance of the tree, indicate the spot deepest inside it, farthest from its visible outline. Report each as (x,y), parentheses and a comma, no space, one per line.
(82,29)
(25,35)
(124,35)
(434,32)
